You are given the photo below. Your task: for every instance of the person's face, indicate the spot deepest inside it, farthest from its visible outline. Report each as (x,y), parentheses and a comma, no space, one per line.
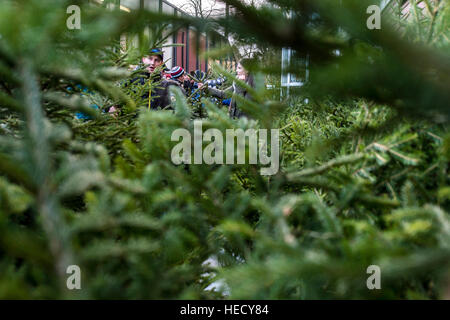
(185,77)
(241,73)
(152,62)
(182,78)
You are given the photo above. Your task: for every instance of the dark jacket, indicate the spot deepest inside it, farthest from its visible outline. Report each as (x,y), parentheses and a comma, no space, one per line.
(160,96)
(233,110)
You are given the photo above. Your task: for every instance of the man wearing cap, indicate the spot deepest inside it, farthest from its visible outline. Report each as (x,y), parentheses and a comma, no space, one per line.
(159,97)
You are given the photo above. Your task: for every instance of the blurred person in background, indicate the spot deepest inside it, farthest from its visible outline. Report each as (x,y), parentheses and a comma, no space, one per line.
(233,109)
(158,97)
(178,74)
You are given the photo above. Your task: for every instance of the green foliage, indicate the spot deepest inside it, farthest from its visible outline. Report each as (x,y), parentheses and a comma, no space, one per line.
(363,178)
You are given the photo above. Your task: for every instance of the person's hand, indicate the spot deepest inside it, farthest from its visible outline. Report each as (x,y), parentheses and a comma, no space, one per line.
(113,111)
(200,85)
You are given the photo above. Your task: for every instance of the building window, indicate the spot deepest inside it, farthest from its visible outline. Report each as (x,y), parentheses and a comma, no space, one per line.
(290,79)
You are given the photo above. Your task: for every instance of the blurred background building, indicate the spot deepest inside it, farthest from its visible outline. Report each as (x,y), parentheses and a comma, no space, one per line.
(187,53)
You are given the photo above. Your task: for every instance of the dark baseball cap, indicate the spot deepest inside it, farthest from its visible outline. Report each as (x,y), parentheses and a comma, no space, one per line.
(156,52)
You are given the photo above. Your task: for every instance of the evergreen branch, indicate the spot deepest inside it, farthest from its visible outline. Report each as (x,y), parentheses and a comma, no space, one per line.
(347,159)
(39,153)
